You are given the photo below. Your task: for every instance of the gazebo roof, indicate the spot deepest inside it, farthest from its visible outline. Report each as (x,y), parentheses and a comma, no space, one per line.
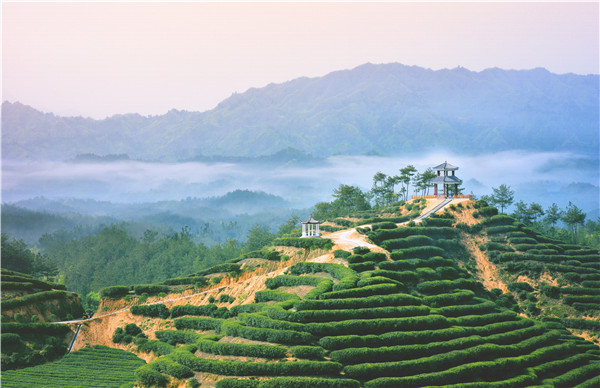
(310,220)
(448,180)
(445,166)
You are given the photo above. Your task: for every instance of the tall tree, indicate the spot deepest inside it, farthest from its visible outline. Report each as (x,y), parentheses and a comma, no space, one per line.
(553,215)
(573,216)
(290,226)
(426,178)
(378,189)
(350,199)
(405,178)
(258,237)
(527,214)
(502,196)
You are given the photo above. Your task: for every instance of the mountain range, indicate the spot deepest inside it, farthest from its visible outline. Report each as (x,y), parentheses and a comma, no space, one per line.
(388,109)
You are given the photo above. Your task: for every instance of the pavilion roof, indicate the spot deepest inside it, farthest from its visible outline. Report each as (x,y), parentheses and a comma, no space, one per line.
(449,180)
(310,220)
(445,166)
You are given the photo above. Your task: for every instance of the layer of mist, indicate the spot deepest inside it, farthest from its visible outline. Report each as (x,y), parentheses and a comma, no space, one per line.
(545,178)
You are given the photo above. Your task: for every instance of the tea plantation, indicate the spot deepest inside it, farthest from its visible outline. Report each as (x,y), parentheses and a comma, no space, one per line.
(97,366)
(412,316)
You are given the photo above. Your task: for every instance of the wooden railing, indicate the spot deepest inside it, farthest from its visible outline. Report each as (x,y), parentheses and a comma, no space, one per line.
(468,196)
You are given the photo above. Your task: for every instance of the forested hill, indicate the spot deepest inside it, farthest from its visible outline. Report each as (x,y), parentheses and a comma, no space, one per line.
(388,109)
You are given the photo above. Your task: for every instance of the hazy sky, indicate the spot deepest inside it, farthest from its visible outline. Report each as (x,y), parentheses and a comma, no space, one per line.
(99,59)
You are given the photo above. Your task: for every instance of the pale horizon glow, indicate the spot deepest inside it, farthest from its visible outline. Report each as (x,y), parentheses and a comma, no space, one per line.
(101,59)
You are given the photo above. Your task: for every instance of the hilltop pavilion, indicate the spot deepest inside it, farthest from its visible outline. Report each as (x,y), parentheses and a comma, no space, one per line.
(446,179)
(310,228)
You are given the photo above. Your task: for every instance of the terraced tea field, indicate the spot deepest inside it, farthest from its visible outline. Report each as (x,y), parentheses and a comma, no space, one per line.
(97,366)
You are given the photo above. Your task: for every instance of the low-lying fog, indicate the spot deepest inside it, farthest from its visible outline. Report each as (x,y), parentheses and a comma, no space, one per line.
(541,177)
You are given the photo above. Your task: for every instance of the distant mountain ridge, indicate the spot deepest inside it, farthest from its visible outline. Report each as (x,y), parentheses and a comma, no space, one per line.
(388,109)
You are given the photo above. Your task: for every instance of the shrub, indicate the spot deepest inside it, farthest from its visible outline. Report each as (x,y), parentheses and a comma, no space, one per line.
(347,277)
(437,222)
(197,323)
(174,337)
(290,337)
(188,309)
(375,256)
(153,310)
(51,329)
(488,211)
(455,298)
(355,259)
(149,377)
(462,310)
(224,298)
(307,382)
(500,229)
(237,383)
(244,350)
(362,302)
(34,298)
(550,291)
(520,286)
(308,352)
(499,219)
(590,299)
(381,235)
(306,243)
(361,267)
(343,222)
(368,281)
(376,289)
(150,289)
(293,280)
(438,286)
(114,291)
(225,267)
(401,276)
(10,339)
(360,313)
(400,265)
(159,348)
(360,250)
(419,336)
(422,252)
(339,253)
(494,246)
(384,225)
(322,287)
(197,280)
(273,295)
(407,242)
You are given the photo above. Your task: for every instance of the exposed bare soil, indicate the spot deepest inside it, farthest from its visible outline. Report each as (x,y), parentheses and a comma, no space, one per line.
(487,272)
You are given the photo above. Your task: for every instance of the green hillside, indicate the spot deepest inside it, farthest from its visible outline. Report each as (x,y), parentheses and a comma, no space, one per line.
(410,311)
(27,304)
(550,279)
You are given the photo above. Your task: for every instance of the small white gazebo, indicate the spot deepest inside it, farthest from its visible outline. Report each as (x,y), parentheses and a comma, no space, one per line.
(310,228)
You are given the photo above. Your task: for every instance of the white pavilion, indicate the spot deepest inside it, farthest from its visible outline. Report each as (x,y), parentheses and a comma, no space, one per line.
(310,228)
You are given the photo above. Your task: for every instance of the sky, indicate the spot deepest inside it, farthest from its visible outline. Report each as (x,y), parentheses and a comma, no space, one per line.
(100,59)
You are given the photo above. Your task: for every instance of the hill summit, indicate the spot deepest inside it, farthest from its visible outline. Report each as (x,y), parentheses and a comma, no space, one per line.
(384,109)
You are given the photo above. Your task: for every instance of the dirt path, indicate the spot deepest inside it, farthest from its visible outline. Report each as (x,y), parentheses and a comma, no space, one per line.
(486,270)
